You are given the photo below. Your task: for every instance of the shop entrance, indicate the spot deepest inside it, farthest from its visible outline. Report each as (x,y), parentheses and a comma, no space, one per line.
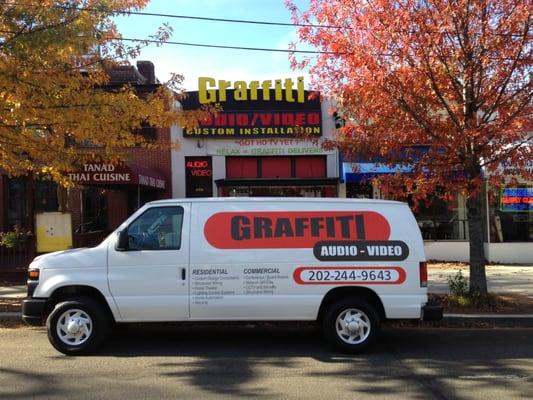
(278,191)
(277,187)
(362,190)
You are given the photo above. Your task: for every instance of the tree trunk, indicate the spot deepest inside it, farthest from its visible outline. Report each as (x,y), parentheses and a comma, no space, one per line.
(478,278)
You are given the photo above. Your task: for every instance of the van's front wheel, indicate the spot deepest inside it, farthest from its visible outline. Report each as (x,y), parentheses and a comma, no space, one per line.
(351,325)
(77,326)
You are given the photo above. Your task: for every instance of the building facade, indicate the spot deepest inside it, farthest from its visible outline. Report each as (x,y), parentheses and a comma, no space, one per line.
(264,142)
(257,147)
(104,196)
(508,216)
(246,151)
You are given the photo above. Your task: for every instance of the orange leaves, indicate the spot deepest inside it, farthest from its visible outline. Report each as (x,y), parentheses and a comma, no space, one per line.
(55,61)
(453,75)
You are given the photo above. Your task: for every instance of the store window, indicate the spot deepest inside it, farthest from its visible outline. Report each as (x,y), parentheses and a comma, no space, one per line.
(45,196)
(138,198)
(310,167)
(16,203)
(362,190)
(442,220)
(94,211)
(282,167)
(279,191)
(511,215)
(276,167)
(241,167)
(199,176)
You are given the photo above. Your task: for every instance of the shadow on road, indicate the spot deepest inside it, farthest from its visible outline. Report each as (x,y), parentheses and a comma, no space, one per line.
(427,363)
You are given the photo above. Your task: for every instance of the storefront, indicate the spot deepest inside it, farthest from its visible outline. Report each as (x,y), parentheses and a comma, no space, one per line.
(508,216)
(267,145)
(108,194)
(104,196)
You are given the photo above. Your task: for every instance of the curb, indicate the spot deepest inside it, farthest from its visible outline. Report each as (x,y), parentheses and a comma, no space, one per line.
(11,316)
(496,320)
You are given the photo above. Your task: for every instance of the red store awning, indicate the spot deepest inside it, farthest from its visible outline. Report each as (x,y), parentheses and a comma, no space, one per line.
(97,174)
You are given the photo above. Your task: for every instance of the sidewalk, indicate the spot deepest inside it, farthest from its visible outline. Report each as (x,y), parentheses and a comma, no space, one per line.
(12,292)
(516,279)
(501,279)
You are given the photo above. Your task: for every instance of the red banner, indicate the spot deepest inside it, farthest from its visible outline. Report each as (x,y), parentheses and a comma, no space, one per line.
(303,229)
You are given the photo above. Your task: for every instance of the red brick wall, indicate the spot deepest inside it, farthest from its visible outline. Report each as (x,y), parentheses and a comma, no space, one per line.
(117,207)
(156,160)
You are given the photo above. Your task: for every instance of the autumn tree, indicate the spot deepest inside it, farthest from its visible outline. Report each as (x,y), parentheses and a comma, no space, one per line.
(451,74)
(55,58)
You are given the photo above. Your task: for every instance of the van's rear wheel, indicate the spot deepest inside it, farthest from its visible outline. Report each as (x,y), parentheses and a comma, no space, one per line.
(351,325)
(77,326)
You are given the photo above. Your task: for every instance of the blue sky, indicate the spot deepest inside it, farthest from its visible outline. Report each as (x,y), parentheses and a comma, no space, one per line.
(193,62)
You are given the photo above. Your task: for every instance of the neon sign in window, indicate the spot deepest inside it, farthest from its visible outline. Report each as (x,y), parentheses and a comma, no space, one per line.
(516,200)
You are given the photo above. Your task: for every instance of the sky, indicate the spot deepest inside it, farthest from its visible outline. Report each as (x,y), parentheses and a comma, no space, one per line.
(227,64)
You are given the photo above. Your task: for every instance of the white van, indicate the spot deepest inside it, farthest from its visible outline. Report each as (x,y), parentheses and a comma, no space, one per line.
(347,264)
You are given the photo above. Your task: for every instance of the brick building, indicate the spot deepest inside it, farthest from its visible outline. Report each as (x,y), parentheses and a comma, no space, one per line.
(106,194)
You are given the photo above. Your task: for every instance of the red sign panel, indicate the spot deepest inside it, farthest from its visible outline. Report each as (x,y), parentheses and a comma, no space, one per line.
(303,229)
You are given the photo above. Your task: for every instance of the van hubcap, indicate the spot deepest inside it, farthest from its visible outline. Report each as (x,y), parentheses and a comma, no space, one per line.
(74,327)
(353,326)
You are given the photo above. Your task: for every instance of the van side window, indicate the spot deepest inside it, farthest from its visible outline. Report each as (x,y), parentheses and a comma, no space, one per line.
(157,228)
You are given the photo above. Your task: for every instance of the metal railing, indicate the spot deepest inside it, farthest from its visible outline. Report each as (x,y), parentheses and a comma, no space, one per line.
(14,261)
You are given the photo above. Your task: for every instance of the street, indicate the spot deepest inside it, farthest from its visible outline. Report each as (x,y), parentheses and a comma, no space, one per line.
(271,362)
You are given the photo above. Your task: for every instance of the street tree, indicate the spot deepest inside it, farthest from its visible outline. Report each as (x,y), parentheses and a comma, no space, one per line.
(55,63)
(454,75)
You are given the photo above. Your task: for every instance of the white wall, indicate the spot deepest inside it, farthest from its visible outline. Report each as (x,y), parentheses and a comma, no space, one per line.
(447,251)
(500,253)
(511,253)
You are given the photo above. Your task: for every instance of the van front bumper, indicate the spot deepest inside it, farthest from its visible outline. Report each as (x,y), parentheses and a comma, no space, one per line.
(432,312)
(33,310)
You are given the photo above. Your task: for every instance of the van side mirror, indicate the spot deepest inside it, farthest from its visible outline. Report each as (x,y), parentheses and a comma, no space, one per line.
(122,241)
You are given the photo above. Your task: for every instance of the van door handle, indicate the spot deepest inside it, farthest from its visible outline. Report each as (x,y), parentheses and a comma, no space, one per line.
(183,274)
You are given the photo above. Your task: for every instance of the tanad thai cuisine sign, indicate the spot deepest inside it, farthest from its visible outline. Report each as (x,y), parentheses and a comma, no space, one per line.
(258,109)
(110,174)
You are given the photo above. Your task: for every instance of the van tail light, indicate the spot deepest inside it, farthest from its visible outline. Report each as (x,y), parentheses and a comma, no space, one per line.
(423,274)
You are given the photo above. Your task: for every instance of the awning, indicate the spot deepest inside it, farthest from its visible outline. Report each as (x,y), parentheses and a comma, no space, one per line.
(278,182)
(105,175)
(364,168)
(362,171)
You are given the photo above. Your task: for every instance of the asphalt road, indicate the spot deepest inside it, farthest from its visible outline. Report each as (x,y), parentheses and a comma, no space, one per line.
(275,362)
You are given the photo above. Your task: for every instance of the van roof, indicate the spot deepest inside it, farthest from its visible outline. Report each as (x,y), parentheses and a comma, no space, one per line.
(276,200)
